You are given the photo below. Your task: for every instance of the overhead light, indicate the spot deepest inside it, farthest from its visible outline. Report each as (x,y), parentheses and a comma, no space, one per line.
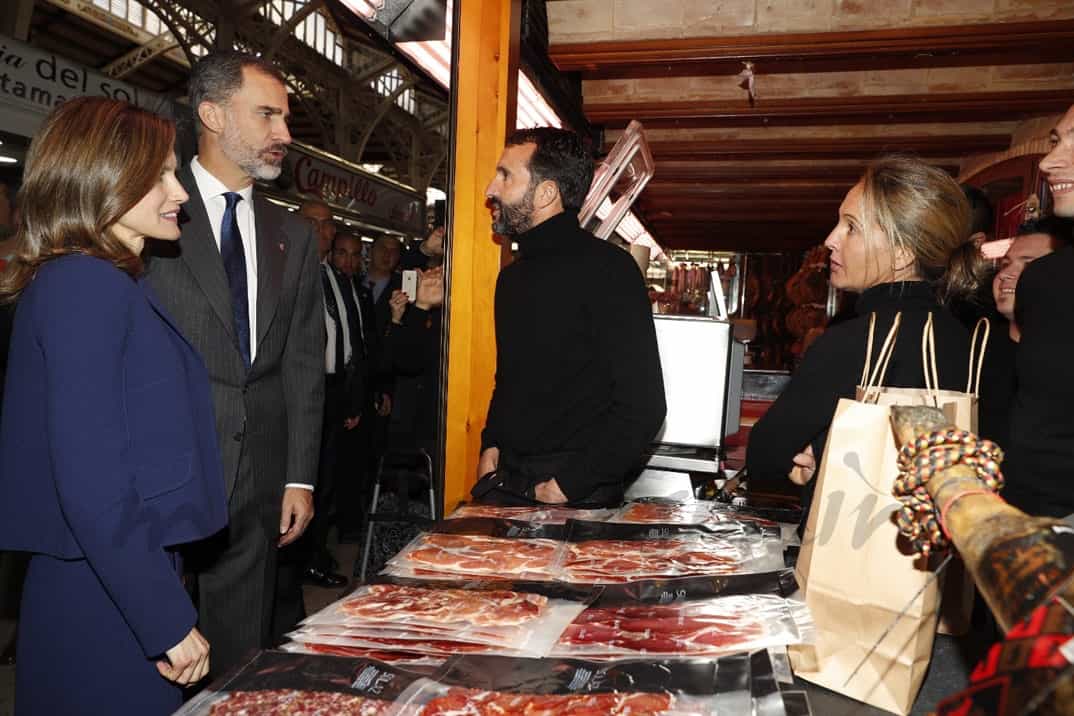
(368,9)
(8,160)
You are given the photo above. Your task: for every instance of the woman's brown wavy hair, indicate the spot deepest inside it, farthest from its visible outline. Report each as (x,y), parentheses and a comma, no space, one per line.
(91,162)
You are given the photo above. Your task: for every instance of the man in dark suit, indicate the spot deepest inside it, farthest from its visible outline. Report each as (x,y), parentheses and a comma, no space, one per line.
(244,287)
(382,278)
(354,450)
(348,321)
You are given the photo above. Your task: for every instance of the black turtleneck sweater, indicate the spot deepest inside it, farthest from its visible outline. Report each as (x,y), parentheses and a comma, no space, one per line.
(1040,458)
(577,367)
(831,369)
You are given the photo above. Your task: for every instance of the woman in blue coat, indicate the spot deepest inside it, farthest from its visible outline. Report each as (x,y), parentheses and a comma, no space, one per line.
(108,452)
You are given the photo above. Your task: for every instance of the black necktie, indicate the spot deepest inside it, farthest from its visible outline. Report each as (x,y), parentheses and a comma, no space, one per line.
(357,339)
(235,267)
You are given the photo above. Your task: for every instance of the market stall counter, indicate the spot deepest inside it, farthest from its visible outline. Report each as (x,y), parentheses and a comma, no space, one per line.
(655,607)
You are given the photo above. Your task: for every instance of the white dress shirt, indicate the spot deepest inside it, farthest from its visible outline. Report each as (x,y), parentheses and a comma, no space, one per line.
(349,341)
(212,192)
(330,366)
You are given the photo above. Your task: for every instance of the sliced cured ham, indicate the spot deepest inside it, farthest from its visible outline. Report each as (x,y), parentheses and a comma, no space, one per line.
(397,603)
(479,555)
(609,561)
(684,513)
(672,513)
(709,627)
(403,658)
(470,702)
(291,702)
(550,514)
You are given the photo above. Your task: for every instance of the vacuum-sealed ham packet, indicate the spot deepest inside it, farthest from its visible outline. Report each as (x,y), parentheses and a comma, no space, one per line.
(273,683)
(524,619)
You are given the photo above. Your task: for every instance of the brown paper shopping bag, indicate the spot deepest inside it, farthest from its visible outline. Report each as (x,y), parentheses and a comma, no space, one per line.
(956,585)
(855,578)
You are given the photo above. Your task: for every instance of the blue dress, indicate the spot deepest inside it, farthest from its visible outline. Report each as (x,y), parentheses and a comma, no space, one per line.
(108,462)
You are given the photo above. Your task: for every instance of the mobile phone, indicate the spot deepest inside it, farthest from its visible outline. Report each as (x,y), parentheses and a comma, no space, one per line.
(410,285)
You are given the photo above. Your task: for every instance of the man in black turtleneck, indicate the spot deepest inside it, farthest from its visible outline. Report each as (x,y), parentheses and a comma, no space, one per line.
(1040,458)
(579,391)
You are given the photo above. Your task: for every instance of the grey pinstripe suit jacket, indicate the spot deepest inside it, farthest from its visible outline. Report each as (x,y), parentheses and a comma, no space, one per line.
(273,413)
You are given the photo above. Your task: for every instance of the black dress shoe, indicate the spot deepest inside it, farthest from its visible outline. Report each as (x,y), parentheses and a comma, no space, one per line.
(323,579)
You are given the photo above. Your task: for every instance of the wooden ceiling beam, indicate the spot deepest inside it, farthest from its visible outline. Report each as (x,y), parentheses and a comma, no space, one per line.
(672,237)
(863,148)
(750,174)
(724,240)
(669,190)
(901,48)
(743,213)
(802,111)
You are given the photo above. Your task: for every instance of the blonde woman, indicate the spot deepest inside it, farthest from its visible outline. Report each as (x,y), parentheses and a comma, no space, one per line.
(902,244)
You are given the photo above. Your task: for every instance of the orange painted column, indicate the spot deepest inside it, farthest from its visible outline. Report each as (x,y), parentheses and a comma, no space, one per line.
(484,93)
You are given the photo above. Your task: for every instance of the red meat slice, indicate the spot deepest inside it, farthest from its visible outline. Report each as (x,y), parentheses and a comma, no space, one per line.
(396,603)
(687,629)
(391,657)
(290,702)
(624,560)
(469,702)
(472,554)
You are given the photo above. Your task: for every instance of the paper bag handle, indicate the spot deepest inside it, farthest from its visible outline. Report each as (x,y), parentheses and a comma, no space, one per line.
(928,362)
(928,358)
(970,377)
(873,380)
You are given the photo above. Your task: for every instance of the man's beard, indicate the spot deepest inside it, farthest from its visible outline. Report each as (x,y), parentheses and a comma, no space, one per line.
(250,159)
(514,219)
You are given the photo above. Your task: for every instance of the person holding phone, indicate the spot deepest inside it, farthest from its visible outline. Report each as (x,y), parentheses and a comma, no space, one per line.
(108,457)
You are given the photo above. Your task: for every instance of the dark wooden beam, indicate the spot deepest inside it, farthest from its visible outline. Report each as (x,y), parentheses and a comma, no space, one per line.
(902,48)
(668,190)
(724,240)
(864,148)
(868,109)
(746,173)
(743,213)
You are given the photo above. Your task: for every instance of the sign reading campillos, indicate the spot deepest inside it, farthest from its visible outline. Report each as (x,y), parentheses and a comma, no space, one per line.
(377,200)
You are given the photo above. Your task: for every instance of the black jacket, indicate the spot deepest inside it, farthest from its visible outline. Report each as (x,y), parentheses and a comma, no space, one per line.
(359,373)
(412,353)
(1040,459)
(831,369)
(577,369)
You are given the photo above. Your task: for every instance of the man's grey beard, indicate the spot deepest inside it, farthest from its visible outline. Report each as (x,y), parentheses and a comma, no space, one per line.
(249,158)
(514,219)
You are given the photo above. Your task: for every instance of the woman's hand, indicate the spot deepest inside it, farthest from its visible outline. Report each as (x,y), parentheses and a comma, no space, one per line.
(805,466)
(430,289)
(188,661)
(397,303)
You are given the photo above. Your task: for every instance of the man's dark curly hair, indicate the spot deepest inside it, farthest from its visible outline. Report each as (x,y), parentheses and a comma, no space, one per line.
(560,156)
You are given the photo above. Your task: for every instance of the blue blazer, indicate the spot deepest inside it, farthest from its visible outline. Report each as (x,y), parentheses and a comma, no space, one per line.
(108,447)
